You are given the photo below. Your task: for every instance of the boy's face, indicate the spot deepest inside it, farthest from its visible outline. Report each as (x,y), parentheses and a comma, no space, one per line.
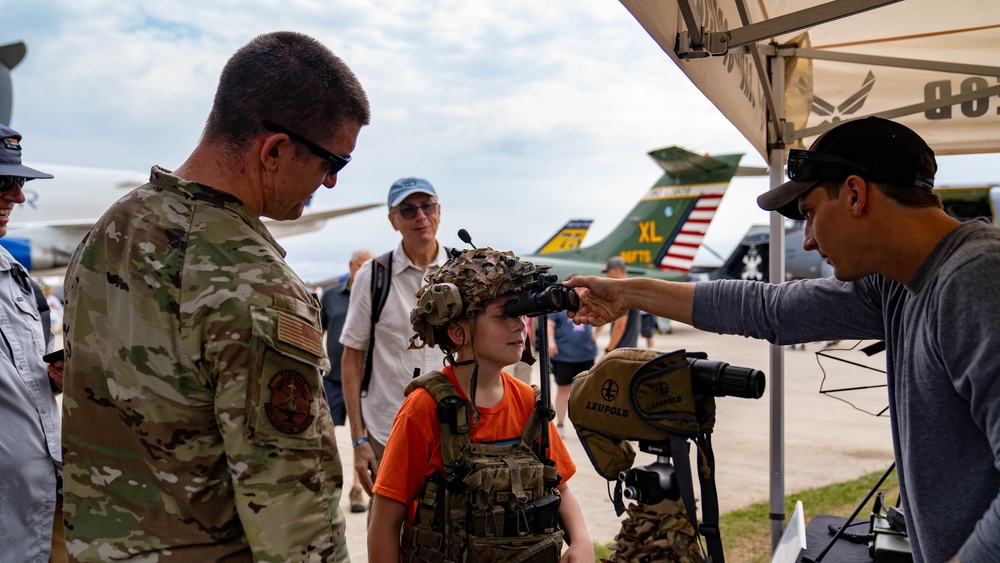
(499,338)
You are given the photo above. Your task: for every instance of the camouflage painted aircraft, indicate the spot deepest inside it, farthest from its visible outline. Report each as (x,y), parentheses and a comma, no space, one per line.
(661,235)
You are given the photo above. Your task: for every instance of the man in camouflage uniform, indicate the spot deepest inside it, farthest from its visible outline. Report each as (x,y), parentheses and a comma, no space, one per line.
(196,423)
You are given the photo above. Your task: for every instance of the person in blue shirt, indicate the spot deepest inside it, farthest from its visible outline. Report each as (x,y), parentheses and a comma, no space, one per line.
(572,350)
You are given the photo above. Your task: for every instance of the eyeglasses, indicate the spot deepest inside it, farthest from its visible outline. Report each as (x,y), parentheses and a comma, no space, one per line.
(7,183)
(337,162)
(410,211)
(800,161)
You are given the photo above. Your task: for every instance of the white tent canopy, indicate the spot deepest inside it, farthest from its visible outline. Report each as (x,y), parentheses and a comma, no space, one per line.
(909,61)
(784,71)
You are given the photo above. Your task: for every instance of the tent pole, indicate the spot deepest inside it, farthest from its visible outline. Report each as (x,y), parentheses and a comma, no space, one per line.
(776,273)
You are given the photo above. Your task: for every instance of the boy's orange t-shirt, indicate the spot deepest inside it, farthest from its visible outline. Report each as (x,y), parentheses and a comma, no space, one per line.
(413,452)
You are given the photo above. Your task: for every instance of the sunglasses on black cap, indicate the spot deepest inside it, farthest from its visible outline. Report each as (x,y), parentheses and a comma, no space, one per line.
(801,162)
(7,183)
(337,162)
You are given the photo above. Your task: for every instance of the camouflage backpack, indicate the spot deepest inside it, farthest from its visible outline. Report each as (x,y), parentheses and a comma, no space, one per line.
(492,502)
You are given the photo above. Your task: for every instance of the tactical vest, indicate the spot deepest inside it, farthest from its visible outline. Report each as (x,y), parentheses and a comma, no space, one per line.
(492,502)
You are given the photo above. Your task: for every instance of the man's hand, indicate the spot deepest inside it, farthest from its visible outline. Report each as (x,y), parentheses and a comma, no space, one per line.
(366,466)
(55,370)
(352,367)
(601,300)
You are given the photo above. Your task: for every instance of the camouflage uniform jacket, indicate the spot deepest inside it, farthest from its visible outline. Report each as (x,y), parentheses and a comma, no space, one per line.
(195,417)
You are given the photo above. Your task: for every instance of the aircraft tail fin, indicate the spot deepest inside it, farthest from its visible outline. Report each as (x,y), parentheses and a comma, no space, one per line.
(665,229)
(568,237)
(10,55)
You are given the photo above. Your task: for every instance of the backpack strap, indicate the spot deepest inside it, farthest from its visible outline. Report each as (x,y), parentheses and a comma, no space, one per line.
(452,415)
(381,279)
(43,309)
(532,433)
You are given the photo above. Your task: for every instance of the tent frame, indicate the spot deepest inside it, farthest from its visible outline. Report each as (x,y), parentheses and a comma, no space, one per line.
(769,64)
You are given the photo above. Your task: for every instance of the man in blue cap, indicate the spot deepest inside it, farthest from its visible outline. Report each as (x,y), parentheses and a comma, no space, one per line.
(377,363)
(30,454)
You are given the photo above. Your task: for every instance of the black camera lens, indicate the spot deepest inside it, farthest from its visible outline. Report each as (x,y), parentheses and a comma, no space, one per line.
(721,379)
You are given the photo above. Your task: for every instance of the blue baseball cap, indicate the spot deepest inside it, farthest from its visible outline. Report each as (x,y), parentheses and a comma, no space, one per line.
(10,156)
(403,187)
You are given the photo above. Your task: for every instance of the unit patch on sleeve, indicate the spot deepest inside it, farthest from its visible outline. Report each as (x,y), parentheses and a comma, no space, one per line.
(290,404)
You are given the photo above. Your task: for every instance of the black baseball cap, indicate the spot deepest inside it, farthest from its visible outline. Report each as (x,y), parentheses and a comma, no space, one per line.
(10,156)
(876,149)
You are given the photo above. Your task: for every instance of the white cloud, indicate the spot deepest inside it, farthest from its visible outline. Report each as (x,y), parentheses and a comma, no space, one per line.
(523,113)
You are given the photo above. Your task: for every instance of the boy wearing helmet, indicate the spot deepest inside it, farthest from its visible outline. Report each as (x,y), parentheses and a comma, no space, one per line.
(460,474)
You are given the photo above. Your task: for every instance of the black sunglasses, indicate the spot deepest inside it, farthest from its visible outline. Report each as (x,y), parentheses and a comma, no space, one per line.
(800,161)
(7,183)
(337,162)
(410,211)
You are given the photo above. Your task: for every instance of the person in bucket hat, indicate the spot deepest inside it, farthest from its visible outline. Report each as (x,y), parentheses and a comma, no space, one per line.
(30,506)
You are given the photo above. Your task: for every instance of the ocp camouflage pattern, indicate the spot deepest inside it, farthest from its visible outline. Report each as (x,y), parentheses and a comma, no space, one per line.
(196,425)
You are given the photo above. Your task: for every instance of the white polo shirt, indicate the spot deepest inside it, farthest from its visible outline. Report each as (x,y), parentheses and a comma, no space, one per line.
(392,363)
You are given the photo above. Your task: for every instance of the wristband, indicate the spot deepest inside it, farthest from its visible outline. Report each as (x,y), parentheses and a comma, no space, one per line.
(361,440)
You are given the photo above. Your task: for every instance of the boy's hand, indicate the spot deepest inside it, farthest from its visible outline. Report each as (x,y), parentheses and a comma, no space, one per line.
(601,300)
(578,552)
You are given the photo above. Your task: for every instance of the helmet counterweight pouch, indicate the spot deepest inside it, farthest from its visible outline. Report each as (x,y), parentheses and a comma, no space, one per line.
(649,396)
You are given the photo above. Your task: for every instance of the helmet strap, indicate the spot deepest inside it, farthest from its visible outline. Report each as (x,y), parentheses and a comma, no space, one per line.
(475,369)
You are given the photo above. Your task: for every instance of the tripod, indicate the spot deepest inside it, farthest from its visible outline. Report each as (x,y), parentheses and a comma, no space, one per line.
(657,490)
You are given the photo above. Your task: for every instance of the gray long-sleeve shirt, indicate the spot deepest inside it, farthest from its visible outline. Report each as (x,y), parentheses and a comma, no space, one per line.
(942,334)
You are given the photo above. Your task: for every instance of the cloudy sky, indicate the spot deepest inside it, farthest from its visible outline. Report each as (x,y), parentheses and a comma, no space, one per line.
(523,113)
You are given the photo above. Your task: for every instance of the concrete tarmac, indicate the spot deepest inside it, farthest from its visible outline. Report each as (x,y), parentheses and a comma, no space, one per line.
(825,440)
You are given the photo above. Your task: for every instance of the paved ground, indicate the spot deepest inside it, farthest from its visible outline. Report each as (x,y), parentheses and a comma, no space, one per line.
(826,441)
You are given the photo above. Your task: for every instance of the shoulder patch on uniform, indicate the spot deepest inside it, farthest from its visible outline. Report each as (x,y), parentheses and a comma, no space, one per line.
(289,408)
(298,333)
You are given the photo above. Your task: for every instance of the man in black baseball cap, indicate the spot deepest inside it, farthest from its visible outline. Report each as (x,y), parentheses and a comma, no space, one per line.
(875,149)
(28,410)
(906,273)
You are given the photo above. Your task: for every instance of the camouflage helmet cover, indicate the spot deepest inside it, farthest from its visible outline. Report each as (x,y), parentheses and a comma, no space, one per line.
(465,284)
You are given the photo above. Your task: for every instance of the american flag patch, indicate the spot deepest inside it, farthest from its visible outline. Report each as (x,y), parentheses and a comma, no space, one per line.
(298,333)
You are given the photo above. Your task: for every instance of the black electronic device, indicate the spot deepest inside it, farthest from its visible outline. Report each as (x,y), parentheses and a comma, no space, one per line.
(542,296)
(54,357)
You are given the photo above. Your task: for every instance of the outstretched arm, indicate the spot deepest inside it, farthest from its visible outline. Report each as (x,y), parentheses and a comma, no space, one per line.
(602,300)
(352,369)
